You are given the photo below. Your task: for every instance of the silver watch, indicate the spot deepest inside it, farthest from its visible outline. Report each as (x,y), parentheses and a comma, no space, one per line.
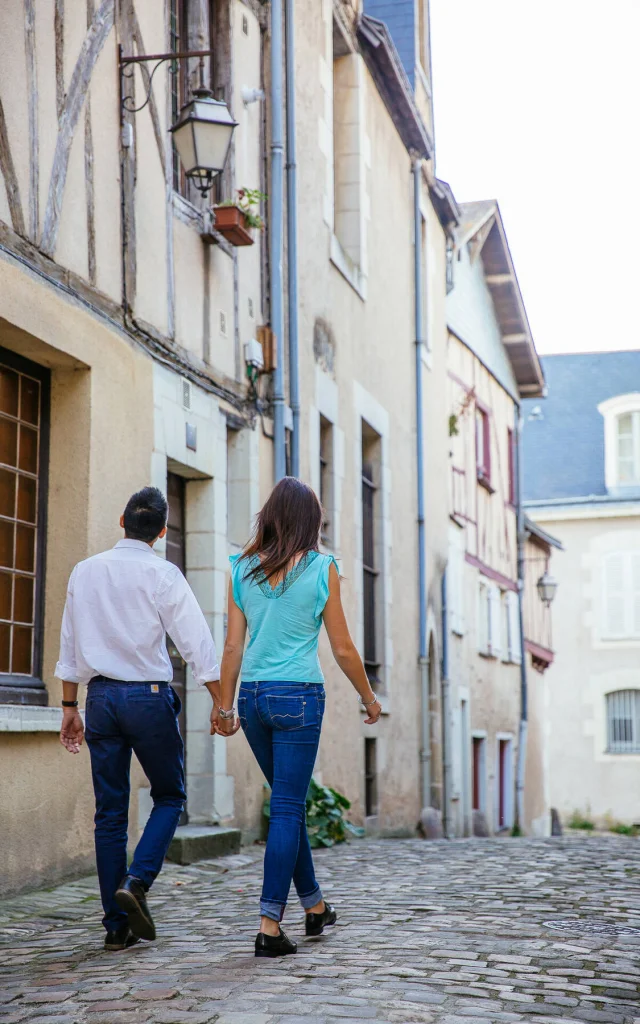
(227,714)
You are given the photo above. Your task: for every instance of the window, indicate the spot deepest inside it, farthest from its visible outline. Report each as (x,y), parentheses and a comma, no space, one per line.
(193,26)
(623,722)
(348,148)
(621,416)
(24,389)
(371,543)
(326,480)
(628,449)
(370,778)
(483,445)
(511,463)
(621,596)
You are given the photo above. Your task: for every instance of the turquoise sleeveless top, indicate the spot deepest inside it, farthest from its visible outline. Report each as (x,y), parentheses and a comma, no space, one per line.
(284,623)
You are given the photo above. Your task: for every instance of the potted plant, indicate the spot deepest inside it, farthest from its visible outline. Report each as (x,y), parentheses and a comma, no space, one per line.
(238,219)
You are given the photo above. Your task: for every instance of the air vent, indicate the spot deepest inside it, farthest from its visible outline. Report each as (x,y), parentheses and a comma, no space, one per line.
(186,393)
(251,308)
(245,24)
(223,323)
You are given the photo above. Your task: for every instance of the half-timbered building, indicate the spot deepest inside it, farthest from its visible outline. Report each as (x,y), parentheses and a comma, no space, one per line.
(497,628)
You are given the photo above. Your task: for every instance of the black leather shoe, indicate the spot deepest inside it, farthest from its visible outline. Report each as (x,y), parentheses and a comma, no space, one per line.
(121,939)
(315,924)
(131,897)
(274,945)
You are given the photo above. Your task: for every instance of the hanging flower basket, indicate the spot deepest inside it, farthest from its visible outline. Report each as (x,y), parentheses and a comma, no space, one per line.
(232,223)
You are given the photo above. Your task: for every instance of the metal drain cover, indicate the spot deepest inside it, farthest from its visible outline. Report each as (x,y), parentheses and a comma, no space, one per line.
(591,927)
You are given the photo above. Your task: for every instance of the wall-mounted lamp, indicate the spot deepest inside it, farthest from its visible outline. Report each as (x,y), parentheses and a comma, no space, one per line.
(547,587)
(203,131)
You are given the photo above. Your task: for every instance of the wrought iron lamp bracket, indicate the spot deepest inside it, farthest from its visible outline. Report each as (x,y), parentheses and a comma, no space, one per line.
(126,66)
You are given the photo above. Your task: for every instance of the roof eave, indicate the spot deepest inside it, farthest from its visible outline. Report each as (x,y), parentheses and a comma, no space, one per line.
(385,67)
(546,538)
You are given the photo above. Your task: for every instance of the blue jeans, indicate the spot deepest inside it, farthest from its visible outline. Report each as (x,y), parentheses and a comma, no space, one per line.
(143,717)
(282,723)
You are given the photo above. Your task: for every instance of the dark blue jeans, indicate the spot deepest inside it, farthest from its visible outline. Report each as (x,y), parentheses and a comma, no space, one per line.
(282,723)
(120,718)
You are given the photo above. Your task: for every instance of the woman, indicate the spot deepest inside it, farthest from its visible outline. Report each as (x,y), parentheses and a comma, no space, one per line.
(282,588)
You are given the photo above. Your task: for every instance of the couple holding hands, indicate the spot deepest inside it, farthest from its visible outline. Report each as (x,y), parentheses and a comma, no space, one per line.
(120,606)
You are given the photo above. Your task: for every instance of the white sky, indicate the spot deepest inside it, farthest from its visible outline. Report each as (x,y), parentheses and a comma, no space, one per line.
(537,104)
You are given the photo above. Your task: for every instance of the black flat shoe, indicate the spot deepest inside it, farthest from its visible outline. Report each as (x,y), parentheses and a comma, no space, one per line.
(123,938)
(131,897)
(274,945)
(315,924)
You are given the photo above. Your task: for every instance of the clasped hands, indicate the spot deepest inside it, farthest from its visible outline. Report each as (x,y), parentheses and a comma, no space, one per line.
(223,726)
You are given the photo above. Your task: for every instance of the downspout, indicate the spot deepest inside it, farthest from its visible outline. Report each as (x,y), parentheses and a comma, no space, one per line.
(276,237)
(524,712)
(446,766)
(292,236)
(423,660)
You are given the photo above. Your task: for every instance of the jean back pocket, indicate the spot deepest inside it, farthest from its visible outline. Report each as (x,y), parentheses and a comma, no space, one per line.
(286,713)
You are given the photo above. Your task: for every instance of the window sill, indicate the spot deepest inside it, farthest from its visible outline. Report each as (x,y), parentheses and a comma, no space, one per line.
(485,482)
(27,718)
(488,655)
(349,270)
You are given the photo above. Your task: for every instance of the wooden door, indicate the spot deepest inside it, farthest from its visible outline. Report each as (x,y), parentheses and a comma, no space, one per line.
(176,553)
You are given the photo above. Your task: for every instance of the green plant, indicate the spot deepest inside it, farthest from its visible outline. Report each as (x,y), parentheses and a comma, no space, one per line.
(246,199)
(625,830)
(453,425)
(326,823)
(578,820)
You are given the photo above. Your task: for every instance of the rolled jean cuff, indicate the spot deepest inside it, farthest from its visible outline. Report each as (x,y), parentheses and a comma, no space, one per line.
(273,910)
(311,900)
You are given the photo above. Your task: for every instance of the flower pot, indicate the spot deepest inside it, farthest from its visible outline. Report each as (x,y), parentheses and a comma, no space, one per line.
(231,222)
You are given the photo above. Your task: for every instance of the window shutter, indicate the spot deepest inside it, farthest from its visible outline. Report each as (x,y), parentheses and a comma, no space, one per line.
(614,624)
(634,571)
(515,640)
(495,621)
(483,617)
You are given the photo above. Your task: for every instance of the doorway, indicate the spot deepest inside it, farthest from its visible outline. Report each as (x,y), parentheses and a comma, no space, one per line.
(176,553)
(504,803)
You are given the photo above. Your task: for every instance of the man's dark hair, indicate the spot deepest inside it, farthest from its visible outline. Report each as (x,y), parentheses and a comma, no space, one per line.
(145,515)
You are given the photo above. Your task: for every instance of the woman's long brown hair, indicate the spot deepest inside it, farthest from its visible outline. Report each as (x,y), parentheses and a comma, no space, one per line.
(288,524)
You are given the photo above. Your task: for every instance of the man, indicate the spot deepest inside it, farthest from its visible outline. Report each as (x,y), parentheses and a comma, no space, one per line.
(120,606)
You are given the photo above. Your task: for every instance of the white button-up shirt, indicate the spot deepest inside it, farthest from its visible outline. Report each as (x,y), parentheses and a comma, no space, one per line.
(120,605)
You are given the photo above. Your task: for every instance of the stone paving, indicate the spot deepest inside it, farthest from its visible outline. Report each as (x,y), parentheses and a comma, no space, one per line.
(462,932)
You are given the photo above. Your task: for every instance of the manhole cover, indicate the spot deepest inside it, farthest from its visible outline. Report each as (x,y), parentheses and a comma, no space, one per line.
(591,927)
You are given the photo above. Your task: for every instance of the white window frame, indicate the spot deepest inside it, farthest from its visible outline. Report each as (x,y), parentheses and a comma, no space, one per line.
(611,411)
(455,580)
(489,605)
(623,705)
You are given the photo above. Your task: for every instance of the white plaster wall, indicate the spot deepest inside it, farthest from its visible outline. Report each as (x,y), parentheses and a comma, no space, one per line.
(582,775)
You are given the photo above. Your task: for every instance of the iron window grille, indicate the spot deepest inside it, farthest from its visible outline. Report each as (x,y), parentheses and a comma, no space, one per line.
(623,722)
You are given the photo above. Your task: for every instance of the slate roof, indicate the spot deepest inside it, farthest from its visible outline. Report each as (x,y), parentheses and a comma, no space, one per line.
(563,447)
(399,17)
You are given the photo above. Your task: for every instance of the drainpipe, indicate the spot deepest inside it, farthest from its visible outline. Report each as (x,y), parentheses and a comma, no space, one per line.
(423,660)
(524,714)
(292,236)
(446,766)
(276,236)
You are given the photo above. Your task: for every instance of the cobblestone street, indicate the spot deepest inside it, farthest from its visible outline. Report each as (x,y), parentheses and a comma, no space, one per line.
(468,931)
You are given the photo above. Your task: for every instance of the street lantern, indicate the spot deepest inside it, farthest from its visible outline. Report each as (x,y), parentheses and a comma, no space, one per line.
(547,587)
(202,135)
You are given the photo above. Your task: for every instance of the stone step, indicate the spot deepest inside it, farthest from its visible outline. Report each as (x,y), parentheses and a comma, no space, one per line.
(203,842)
